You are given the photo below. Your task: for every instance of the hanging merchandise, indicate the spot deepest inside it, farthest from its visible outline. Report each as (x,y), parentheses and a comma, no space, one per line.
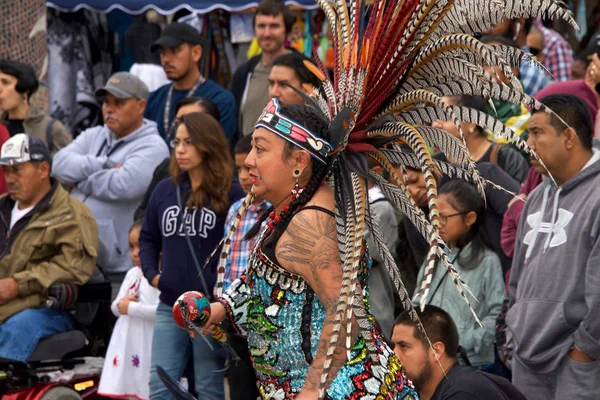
(221,71)
(80,53)
(296,36)
(195,20)
(240,26)
(308,29)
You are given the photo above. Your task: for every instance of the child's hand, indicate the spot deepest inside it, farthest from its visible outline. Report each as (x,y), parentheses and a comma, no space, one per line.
(123,304)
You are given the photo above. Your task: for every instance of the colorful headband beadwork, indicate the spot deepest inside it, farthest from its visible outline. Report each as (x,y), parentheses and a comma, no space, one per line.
(288,129)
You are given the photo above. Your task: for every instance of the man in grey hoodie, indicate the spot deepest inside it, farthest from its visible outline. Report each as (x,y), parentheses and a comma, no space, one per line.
(555,280)
(110,167)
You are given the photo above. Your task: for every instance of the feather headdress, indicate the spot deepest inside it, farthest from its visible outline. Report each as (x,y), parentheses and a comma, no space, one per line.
(394,61)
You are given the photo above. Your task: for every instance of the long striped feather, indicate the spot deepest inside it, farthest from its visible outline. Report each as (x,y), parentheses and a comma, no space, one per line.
(226,242)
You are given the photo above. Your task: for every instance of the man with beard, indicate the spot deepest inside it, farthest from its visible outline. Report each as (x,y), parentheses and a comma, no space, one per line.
(250,84)
(180,51)
(432,364)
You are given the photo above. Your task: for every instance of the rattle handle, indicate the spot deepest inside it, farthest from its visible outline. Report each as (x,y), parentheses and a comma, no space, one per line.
(219,335)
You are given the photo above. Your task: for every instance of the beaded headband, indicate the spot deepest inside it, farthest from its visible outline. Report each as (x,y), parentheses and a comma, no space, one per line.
(288,129)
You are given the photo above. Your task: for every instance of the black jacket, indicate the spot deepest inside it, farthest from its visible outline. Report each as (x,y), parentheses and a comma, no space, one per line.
(240,80)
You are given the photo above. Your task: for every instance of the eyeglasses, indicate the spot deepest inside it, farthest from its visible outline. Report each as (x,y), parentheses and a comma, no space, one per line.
(187,143)
(444,218)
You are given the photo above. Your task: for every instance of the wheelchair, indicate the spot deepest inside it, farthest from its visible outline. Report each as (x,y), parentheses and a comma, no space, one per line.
(89,306)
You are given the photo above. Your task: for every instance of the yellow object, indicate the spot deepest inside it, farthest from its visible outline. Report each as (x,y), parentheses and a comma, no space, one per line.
(83,385)
(254,49)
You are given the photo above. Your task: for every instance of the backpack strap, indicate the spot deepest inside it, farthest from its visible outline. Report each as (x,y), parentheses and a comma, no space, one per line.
(494,154)
(49,138)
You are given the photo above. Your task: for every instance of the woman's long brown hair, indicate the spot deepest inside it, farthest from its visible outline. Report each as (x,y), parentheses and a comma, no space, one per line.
(217,165)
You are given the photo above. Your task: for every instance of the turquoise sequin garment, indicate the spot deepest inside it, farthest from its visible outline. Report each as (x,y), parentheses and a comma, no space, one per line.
(267,306)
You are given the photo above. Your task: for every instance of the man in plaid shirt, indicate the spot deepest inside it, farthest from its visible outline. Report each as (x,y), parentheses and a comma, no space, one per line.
(558,55)
(533,79)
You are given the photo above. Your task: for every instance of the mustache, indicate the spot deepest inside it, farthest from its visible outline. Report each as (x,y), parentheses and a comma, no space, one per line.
(13,186)
(109,116)
(167,66)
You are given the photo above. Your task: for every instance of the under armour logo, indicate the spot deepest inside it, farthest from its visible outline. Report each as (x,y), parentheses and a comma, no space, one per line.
(559,234)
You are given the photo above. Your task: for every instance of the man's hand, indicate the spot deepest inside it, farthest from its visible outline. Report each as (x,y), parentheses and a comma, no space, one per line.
(592,75)
(123,304)
(155,281)
(9,289)
(578,355)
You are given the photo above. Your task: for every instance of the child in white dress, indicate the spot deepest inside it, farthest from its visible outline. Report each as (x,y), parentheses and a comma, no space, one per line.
(126,369)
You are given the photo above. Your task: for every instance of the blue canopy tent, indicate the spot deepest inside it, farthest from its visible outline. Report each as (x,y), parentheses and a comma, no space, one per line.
(163,6)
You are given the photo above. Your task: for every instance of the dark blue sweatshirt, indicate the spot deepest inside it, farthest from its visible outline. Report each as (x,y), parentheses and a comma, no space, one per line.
(163,232)
(223,99)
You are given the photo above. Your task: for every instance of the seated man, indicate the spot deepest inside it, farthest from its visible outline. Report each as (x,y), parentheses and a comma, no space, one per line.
(46,237)
(431,363)
(111,166)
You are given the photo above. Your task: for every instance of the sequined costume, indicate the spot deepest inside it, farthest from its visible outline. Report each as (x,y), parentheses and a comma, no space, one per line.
(282,318)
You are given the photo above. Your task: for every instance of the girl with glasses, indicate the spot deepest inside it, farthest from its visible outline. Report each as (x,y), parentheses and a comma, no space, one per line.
(462,228)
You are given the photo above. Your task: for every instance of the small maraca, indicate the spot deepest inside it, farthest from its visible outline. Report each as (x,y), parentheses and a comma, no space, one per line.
(191,311)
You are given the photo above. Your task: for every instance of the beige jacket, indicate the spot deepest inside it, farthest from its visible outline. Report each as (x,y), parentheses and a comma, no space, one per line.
(55,243)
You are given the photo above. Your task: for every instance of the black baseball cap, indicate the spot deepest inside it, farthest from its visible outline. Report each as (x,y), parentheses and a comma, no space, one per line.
(175,34)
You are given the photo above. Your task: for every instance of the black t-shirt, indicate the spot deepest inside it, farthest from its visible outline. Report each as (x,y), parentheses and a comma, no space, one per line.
(464,383)
(15,126)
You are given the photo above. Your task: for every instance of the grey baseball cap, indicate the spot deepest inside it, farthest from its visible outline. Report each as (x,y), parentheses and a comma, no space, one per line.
(124,85)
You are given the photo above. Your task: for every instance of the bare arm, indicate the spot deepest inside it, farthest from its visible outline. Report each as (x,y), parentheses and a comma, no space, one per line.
(309,248)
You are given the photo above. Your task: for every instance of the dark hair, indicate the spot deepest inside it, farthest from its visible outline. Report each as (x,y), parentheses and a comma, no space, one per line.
(475,102)
(575,112)
(314,121)
(487,39)
(295,61)
(465,198)
(217,166)
(274,8)
(137,224)
(438,325)
(208,106)
(244,145)
(27,81)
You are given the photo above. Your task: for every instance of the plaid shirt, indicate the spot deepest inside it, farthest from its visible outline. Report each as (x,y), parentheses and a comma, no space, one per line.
(558,54)
(532,78)
(239,253)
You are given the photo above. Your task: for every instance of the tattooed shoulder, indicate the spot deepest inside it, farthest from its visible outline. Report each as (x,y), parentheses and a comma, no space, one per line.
(310,240)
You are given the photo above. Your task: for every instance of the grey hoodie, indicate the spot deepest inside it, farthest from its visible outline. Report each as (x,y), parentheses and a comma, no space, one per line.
(555,278)
(111,193)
